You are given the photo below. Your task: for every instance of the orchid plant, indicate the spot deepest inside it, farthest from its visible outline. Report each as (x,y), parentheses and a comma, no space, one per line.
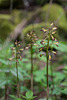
(49,35)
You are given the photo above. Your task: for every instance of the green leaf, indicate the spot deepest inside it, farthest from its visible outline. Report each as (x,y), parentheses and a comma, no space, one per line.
(43,58)
(64,91)
(41,77)
(29,94)
(58,77)
(56,91)
(20,76)
(5,62)
(25,60)
(61,47)
(4,81)
(14,97)
(24,97)
(64,83)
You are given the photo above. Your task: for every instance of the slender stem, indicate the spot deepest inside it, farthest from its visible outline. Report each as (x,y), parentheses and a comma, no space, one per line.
(17,74)
(47,56)
(31,68)
(51,68)
(6,92)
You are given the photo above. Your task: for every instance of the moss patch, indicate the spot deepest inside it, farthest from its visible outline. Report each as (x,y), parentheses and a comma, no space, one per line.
(54,12)
(5,28)
(9,22)
(17,16)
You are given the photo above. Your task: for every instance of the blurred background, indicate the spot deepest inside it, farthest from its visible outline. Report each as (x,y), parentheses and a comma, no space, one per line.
(17,18)
(31,14)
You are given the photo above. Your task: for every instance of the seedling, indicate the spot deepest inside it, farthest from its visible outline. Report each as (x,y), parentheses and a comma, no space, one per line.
(29,95)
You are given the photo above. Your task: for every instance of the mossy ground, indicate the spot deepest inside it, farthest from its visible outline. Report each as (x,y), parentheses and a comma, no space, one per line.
(9,21)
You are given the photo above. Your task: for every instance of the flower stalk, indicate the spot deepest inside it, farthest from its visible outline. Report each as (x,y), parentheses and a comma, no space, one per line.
(16,56)
(47,56)
(31,68)
(17,72)
(32,40)
(49,35)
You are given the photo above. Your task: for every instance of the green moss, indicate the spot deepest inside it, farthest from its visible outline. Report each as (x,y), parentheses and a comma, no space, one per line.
(5,29)
(62,30)
(5,16)
(54,12)
(9,22)
(6,26)
(18,15)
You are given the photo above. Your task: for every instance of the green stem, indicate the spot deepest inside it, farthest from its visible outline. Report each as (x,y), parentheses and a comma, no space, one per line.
(6,92)
(31,68)
(17,73)
(47,56)
(7,87)
(51,68)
